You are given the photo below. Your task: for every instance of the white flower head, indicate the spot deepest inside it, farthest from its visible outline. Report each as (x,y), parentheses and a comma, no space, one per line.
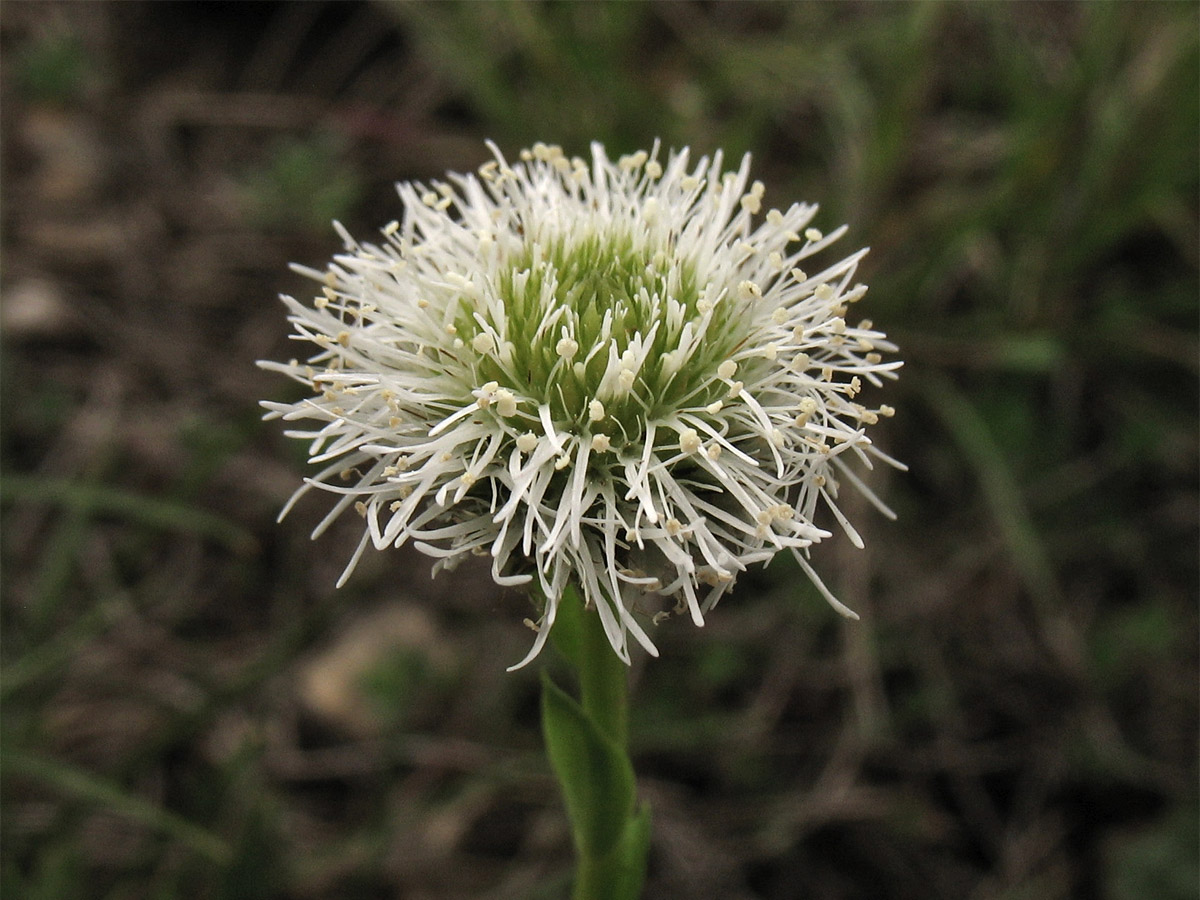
(604,372)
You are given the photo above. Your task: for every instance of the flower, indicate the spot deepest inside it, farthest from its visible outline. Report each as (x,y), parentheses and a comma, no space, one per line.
(611,372)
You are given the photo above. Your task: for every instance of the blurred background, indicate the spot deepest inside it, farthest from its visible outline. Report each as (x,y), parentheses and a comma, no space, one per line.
(191,710)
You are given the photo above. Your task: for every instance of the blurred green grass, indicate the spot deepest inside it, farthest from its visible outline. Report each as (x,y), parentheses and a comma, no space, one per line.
(1016,715)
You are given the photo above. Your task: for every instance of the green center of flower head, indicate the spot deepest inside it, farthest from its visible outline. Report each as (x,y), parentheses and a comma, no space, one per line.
(572,303)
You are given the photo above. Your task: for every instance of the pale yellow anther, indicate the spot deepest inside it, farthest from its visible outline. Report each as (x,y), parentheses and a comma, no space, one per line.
(343,338)
(566,348)
(799,275)
(429,198)
(633,161)
(770,352)
(715,407)
(467,479)
(601,443)
(653,169)
(780,315)
(713,452)
(775,258)
(360,508)
(727,369)
(887,411)
(625,379)
(735,389)
(689,182)
(813,234)
(751,204)
(506,403)
(486,394)
(394,506)
(775,217)
(824,293)
(748,290)
(674,527)
(689,440)
(595,411)
(483,343)
(874,358)
(527,442)
(562,462)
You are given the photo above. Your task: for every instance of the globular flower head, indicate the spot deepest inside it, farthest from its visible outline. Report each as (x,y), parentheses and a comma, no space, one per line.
(611,372)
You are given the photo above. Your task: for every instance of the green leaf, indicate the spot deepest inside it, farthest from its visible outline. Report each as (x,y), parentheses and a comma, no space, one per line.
(567,634)
(596,776)
(630,855)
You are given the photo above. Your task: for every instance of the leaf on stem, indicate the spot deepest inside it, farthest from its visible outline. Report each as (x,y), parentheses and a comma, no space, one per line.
(596,776)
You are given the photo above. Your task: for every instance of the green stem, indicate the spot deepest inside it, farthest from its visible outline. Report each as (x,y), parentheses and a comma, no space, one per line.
(588,746)
(603,682)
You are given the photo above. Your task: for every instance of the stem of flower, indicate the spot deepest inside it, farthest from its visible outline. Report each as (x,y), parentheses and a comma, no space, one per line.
(603,682)
(587,742)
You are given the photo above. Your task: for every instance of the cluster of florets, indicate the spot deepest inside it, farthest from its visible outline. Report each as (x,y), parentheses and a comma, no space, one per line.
(615,373)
